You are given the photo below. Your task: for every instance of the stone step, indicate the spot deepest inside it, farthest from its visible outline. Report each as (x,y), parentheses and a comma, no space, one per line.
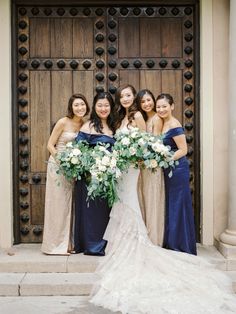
(27,258)
(46,284)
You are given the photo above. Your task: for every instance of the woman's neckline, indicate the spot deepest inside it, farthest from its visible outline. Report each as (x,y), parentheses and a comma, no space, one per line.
(70,132)
(99,134)
(177,127)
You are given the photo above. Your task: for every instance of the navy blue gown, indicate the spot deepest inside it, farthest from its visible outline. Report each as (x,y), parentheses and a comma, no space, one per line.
(179,234)
(91,218)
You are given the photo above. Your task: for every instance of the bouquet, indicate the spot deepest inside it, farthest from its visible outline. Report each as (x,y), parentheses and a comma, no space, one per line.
(142,149)
(104,174)
(75,161)
(102,168)
(130,147)
(159,155)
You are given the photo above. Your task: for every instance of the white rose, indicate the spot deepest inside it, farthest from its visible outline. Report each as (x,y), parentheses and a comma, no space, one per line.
(102,168)
(98,161)
(153,163)
(133,134)
(105,160)
(141,142)
(74,160)
(157,147)
(124,131)
(94,174)
(115,153)
(125,141)
(76,152)
(69,145)
(113,163)
(132,151)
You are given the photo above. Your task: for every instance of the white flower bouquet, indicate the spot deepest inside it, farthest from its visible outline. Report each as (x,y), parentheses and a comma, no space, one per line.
(75,161)
(102,168)
(142,149)
(131,147)
(104,174)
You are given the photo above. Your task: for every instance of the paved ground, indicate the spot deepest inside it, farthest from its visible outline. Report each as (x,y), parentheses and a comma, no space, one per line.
(49,305)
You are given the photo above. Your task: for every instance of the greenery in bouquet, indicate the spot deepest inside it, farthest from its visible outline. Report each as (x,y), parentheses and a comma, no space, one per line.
(102,167)
(75,161)
(142,149)
(159,155)
(131,147)
(104,174)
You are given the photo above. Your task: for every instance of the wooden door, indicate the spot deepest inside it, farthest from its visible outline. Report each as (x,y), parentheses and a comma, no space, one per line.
(63,50)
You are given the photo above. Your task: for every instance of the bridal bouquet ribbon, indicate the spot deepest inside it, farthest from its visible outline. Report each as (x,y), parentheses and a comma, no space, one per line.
(102,167)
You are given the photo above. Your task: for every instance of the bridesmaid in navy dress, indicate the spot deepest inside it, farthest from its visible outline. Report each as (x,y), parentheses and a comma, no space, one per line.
(179,232)
(91,218)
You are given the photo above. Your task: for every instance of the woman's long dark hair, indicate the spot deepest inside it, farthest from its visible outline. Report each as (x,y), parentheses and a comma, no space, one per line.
(94,118)
(120,110)
(139,98)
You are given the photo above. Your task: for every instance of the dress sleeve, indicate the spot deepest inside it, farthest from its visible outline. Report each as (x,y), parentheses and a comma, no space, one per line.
(176,131)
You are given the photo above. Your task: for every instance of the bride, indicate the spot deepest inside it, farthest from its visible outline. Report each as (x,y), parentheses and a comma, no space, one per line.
(137,277)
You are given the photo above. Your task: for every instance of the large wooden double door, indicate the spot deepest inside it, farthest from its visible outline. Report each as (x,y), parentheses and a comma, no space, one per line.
(61,50)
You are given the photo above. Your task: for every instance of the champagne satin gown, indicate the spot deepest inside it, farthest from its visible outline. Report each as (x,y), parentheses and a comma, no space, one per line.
(151,194)
(58,205)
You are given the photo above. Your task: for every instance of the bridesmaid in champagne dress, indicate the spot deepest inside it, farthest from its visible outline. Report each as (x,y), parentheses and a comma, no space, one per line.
(58,197)
(179,221)
(151,189)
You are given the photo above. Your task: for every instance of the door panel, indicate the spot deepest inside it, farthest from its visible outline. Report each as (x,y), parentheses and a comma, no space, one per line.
(171,38)
(39,32)
(39,119)
(150,34)
(128,35)
(61,90)
(65,50)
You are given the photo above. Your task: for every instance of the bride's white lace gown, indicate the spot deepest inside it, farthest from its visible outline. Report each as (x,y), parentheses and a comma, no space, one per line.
(138,277)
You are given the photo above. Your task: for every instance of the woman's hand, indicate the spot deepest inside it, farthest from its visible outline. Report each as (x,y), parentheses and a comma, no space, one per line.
(139,121)
(56,132)
(181,143)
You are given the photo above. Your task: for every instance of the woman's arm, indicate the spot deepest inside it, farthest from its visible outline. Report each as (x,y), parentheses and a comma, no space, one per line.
(56,132)
(181,143)
(157,125)
(139,121)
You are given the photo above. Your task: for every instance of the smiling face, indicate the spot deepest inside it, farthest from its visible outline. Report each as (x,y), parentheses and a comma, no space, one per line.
(126,97)
(147,103)
(163,108)
(79,107)
(103,108)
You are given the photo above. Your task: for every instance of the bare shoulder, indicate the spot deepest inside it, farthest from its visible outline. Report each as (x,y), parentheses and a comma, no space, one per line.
(138,115)
(175,123)
(157,119)
(86,127)
(60,124)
